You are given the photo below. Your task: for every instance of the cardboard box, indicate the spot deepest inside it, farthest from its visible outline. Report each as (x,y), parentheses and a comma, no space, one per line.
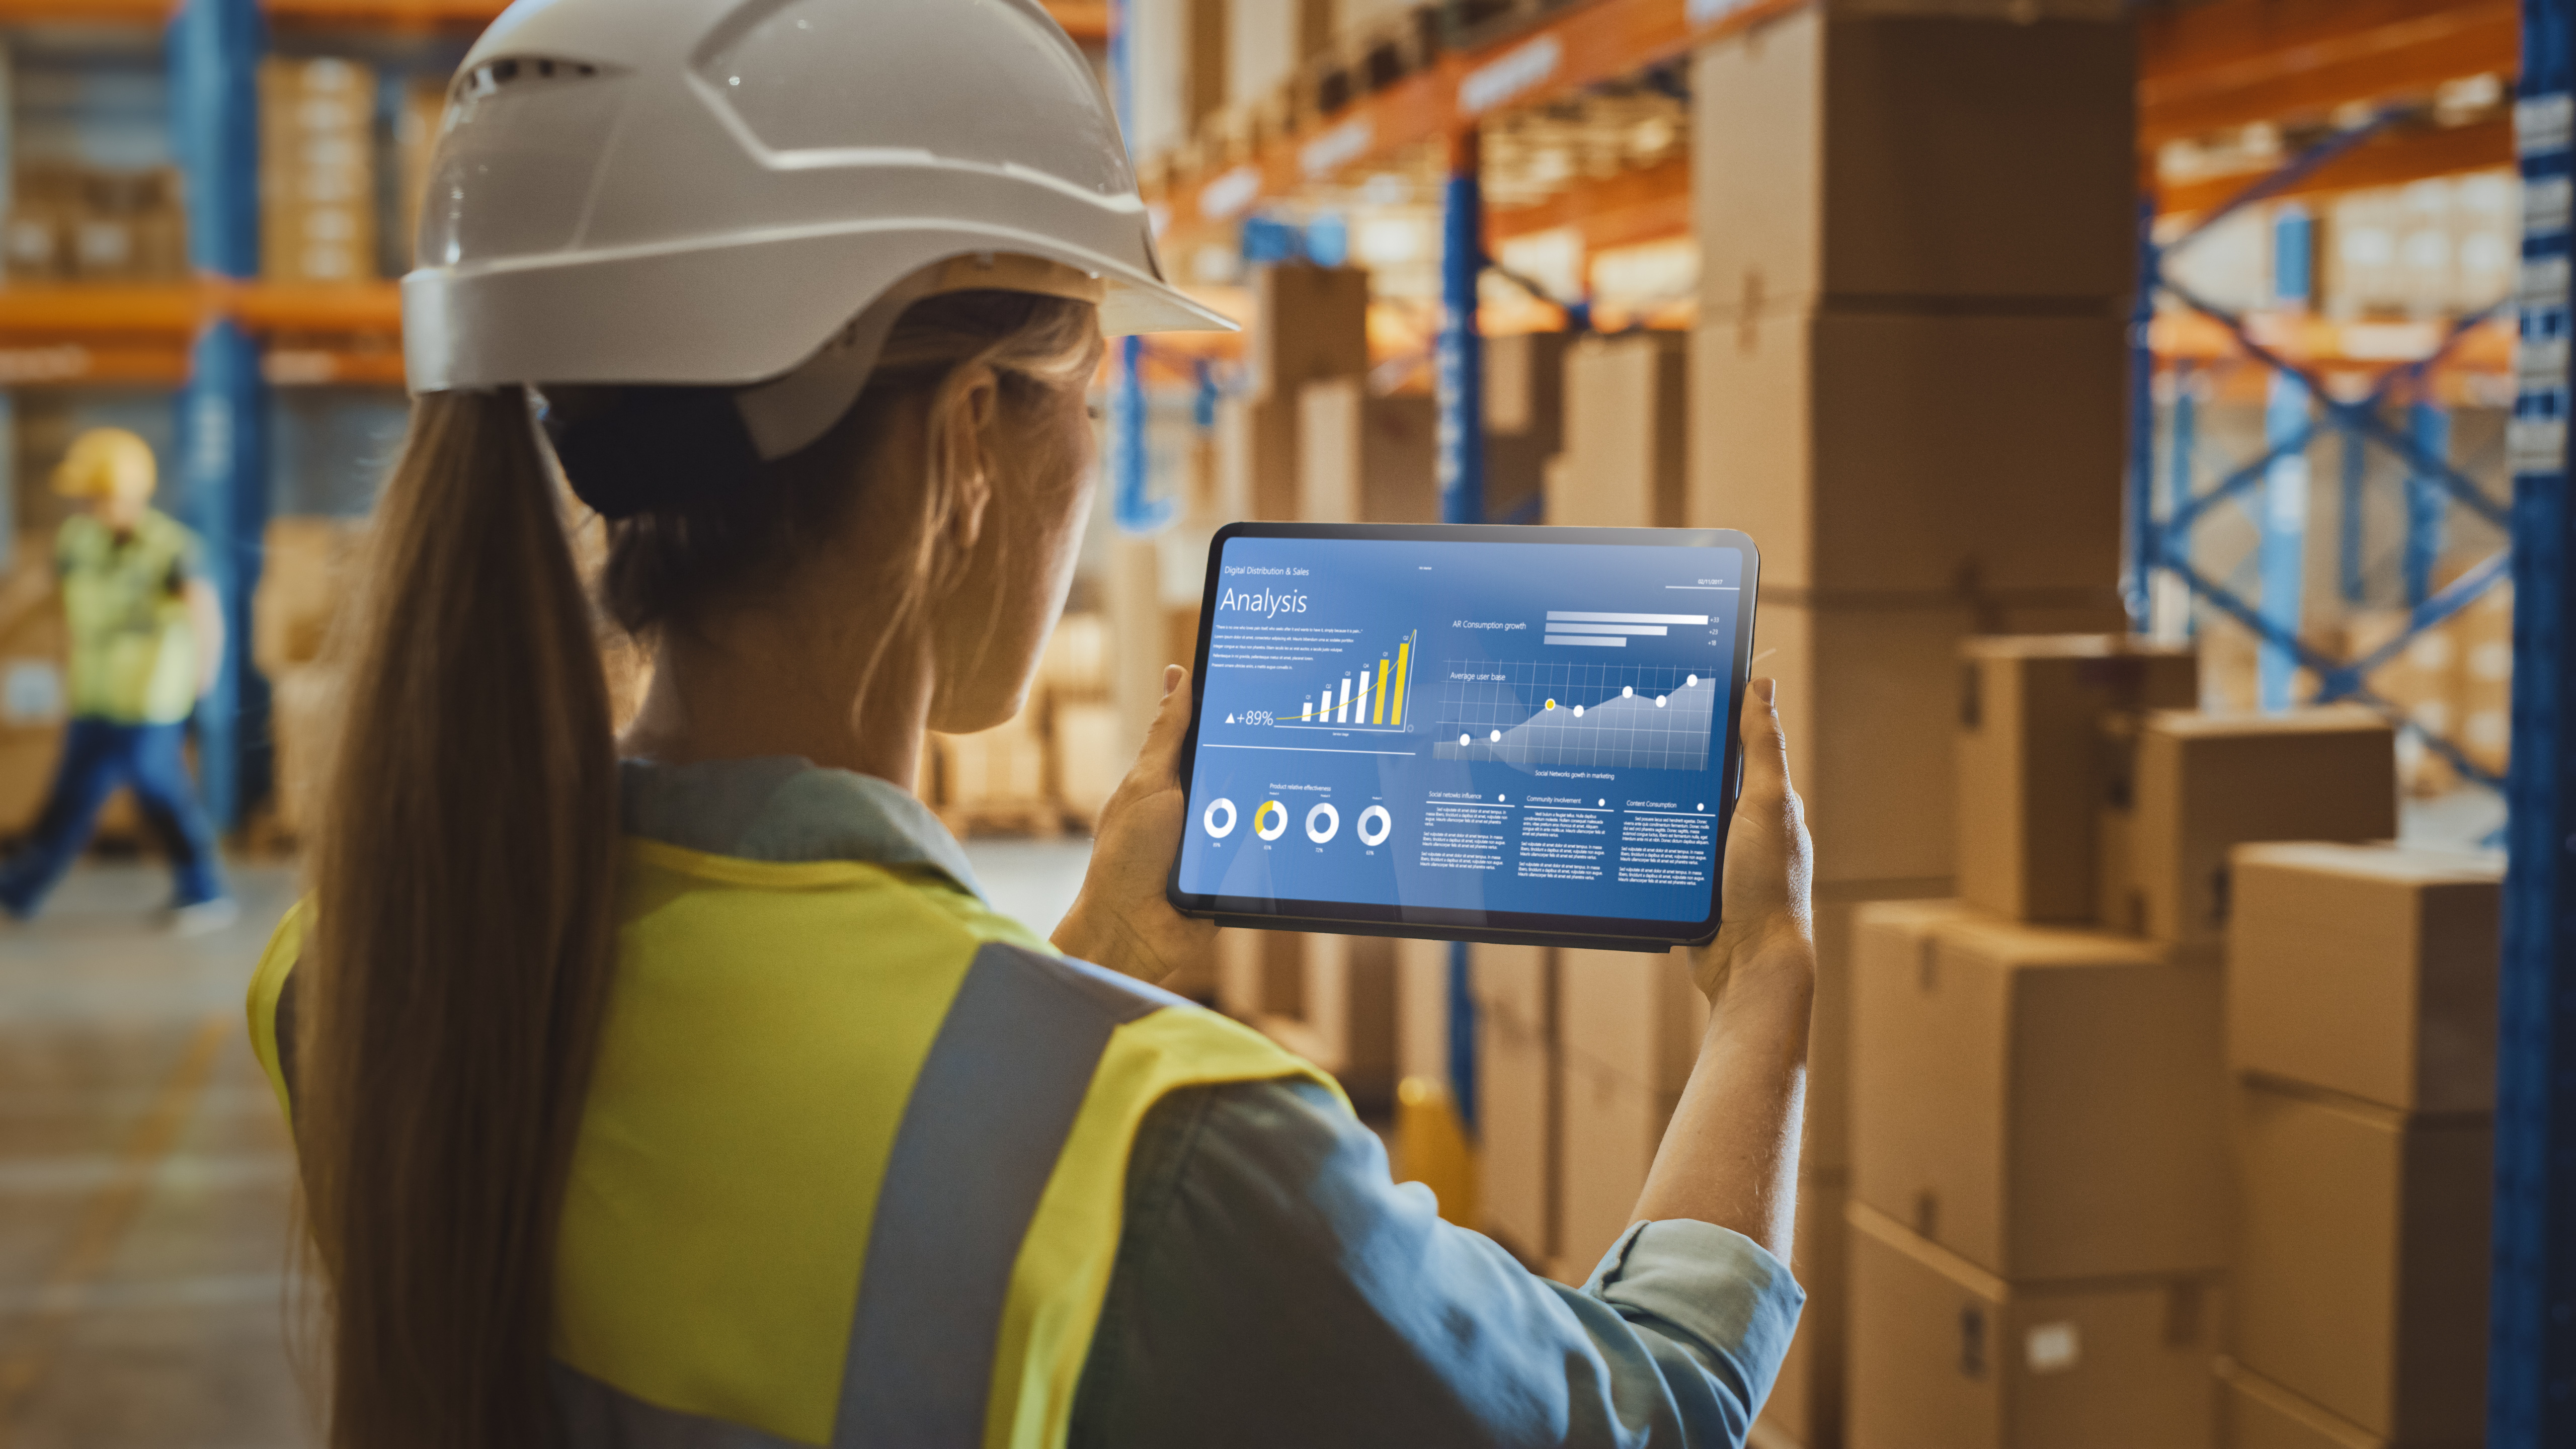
(1827,1145)
(416,127)
(2367,970)
(1364,459)
(1001,767)
(2486,679)
(2361,1259)
(1806,1403)
(304,580)
(1260,974)
(1842,155)
(2045,1103)
(1869,698)
(1256,458)
(1091,755)
(1613,1124)
(305,707)
(2030,760)
(1626,433)
(1422,1010)
(1516,1083)
(1944,1353)
(1637,1017)
(1310,325)
(1344,1014)
(1525,389)
(2255,1413)
(2183,789)
(1882,452)
(317,174)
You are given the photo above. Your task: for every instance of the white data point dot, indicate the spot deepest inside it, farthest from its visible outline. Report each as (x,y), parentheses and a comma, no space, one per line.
(1659,701)
(1462,739)
(1497,737)
(1603,803)
(1703,805)
(1628,693)
(1693,681)
(1578,711)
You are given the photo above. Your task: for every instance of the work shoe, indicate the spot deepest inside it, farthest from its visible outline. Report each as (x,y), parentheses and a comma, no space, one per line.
(201,919)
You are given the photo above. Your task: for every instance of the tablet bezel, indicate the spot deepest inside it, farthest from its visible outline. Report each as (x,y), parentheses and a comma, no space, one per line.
(1353,918)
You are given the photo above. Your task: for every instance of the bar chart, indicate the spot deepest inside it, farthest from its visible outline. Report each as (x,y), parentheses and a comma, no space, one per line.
(1371,696)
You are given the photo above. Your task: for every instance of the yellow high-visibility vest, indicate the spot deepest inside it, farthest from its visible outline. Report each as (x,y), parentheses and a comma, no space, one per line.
(133,647)
(853,1165)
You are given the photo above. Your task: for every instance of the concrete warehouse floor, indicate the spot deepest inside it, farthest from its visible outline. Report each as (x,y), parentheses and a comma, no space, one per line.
(146,1182)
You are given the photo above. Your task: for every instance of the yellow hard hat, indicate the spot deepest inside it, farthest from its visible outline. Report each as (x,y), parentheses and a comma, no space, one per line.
(106,463)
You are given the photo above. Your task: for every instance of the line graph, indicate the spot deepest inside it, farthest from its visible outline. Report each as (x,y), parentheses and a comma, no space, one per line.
(1559,712)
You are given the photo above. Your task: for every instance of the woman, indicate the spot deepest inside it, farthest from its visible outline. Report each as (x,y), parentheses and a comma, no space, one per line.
(681,1089)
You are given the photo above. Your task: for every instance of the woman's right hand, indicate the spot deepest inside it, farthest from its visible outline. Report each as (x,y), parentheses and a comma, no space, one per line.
(1767,918)
(1122,919)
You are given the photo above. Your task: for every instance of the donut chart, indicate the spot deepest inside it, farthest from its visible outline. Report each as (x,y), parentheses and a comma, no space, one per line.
(1271,820)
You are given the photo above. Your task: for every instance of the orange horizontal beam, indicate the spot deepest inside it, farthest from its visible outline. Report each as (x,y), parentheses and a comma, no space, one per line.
(1584,46)
(1085,20)
(2390,161)
(176,310)
(66,364)
(2315,340)
(2211,67)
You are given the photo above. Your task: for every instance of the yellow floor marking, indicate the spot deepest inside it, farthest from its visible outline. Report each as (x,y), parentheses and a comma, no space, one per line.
(105,1217)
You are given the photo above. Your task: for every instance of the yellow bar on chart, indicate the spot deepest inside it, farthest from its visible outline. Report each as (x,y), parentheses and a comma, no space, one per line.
(1400,651)
(1381,692)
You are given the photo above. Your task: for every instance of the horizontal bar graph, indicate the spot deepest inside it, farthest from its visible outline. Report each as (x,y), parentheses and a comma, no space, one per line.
(1602,629)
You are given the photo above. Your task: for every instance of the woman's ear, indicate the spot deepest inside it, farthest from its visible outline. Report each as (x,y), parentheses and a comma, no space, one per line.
(969,426)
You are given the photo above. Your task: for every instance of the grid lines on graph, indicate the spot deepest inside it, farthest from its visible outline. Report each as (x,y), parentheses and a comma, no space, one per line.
(1494,709)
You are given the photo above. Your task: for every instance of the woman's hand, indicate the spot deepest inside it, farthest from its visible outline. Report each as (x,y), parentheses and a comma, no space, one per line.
(1769,863)
(1122,919)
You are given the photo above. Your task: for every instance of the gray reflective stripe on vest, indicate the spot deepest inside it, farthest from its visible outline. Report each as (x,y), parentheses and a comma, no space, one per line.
(988,1118)
(986,1121)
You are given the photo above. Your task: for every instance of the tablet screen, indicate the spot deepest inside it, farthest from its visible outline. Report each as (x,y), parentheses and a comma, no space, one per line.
(1412,726)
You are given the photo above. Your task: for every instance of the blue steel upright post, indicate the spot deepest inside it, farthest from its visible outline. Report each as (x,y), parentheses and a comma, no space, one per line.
(2531,1401)
(214,49)
(1461,385)
(1130,506)
(2428,504)
(2145,540)
(2283,516)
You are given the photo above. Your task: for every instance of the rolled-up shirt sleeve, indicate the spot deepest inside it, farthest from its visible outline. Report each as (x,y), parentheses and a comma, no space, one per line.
(1273,1286)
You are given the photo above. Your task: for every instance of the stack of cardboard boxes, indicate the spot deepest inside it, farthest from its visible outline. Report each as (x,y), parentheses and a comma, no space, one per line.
(2040,1203)
(35,699)
(1060,758)
(317,170)
(304,583)
(1908,382)
(76,223)
(2361,1011)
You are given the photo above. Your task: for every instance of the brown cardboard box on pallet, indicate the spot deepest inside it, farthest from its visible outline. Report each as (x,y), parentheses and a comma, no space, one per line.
(1256,457)
(1343,1017)
(1516,1085)
(1422,1011)
(1525,389)
(2366,970)
(2030,760)
(1869,157)
(2046,1103)
(35,692)
(2183,789)
(995,776)
(305,706)
(1091,755)
(1627,415)
(2361,1259)
(1806,1403)
(1942,1352)
(1827,1148)
(303,584)
(1896,452)
(1260,973)
(1364,459)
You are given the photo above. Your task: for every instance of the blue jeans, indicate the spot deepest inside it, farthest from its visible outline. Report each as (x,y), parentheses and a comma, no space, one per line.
(98,756)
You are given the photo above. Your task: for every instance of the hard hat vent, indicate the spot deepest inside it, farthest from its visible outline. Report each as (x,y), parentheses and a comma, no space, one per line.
(810,78)
(516,153)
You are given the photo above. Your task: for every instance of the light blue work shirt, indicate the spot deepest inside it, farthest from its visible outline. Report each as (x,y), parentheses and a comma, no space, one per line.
(1274,1286)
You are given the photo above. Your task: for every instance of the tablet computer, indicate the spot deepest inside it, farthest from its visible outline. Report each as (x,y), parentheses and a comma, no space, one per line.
(1521,735)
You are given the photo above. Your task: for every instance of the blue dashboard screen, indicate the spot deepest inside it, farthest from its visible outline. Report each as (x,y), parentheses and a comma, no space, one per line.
(1498,727)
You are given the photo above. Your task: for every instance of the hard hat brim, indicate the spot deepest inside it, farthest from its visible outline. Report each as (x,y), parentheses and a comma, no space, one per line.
(733,312)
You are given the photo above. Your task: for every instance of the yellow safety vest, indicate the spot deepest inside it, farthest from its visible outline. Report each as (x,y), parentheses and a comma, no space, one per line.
(853,1165)
(133,649)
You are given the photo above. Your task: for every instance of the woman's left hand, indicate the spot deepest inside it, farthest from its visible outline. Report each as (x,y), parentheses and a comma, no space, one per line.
(1122,919)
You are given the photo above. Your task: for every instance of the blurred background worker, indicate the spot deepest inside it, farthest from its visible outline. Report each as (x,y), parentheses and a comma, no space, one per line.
(146,641)
(682,1086)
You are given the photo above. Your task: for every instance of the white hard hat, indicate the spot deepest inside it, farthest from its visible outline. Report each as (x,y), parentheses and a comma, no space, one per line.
(709,192)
